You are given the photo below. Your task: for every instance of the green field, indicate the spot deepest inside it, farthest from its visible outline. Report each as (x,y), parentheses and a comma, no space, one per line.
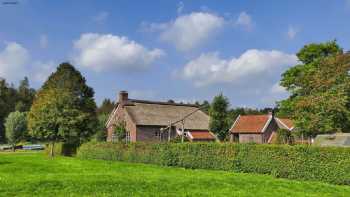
(33,174)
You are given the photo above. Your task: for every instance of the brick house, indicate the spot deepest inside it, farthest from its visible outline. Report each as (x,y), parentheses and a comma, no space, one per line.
(150,120)
(257,128)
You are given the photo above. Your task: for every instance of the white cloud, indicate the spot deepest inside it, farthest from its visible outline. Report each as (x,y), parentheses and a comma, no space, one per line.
(43,41)
(253,64)
(101,17)
(13,61)
(102,52)
(277,89)
(180,7)
(189,31)
(42,70)
(292,32)
(244,20)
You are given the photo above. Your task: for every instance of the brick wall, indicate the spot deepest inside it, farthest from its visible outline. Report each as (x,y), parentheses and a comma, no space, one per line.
(121,116)
(151,134)
(246,138)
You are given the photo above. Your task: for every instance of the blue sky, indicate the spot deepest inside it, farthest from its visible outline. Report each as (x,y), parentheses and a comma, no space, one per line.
(160,50)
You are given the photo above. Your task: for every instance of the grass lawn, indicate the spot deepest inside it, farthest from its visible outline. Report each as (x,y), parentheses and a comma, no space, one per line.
(33,174)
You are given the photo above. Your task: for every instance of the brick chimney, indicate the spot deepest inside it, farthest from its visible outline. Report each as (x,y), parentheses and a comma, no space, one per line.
(123,97)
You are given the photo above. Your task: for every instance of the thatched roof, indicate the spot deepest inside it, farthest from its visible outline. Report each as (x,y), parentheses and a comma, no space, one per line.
(161,113)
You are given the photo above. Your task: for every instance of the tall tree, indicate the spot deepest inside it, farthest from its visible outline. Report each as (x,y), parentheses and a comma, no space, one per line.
(7,105)
(25,96)
(64,108)
(219,120)
(56,116)
(16,127)
(319,90)
(106,107)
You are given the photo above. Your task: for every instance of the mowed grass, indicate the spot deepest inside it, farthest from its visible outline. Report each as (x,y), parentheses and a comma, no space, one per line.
(34,174)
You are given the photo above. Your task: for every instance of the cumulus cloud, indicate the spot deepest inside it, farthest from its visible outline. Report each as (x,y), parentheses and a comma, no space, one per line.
(42,70)
(292,32)
(180,7)
(245,20)
(102,52)
(13,61)
(101,17)
(278,89)
(253,64)
(189,31)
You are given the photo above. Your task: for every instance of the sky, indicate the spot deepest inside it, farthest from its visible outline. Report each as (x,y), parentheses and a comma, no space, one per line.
(159,50)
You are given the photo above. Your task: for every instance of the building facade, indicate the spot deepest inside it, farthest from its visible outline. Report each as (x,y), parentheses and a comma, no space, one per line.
(153,121)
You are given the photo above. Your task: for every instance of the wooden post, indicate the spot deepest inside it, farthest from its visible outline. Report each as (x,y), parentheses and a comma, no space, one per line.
(183,131)
(169,132)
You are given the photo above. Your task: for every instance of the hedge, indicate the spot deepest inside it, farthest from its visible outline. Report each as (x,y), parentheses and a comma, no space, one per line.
(294,162)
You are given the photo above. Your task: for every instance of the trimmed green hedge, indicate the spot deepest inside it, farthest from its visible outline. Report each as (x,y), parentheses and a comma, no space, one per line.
(295,162)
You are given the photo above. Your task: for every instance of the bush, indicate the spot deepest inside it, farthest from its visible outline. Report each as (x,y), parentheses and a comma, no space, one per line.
(64,149)
(295,162)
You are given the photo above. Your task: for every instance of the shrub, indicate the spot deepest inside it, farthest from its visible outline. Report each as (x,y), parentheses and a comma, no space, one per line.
(64,149)
(295,162)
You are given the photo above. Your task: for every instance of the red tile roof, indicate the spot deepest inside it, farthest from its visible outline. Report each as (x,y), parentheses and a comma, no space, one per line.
(202,135)
(250,123)
(287,122)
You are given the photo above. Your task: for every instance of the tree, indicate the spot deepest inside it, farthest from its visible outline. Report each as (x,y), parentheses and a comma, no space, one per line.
(7,104)
(25,96)
(319,88)
(205,106)
(284,136)
(64,108)
(101,134)
(16,127)
(55,116)
(218,112)
(106,107)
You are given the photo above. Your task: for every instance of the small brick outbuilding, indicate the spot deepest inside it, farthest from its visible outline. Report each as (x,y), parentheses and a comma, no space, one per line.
(258,128)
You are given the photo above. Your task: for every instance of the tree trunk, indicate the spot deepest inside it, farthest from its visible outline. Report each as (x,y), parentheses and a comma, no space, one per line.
(14,147)
(52,149)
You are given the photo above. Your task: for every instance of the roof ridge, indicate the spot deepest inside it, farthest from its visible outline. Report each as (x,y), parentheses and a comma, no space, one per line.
(162,103)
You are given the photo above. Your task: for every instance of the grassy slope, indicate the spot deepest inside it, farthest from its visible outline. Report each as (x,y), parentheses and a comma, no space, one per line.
(32,174)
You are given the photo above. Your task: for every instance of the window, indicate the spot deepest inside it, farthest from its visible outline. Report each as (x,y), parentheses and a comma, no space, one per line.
(127,137)
(157,133)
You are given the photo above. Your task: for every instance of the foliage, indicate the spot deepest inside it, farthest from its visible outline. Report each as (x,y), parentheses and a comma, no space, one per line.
(69,79)
(295,162)
(319,90)
(16,127)
(106,107)
(32,174)
(55,116)
(101,134)
(218,112)
(14,99)
(25,96)
(120,131)
(64,108)
(7,104)
(205,106)
(284,136)
(61,148)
